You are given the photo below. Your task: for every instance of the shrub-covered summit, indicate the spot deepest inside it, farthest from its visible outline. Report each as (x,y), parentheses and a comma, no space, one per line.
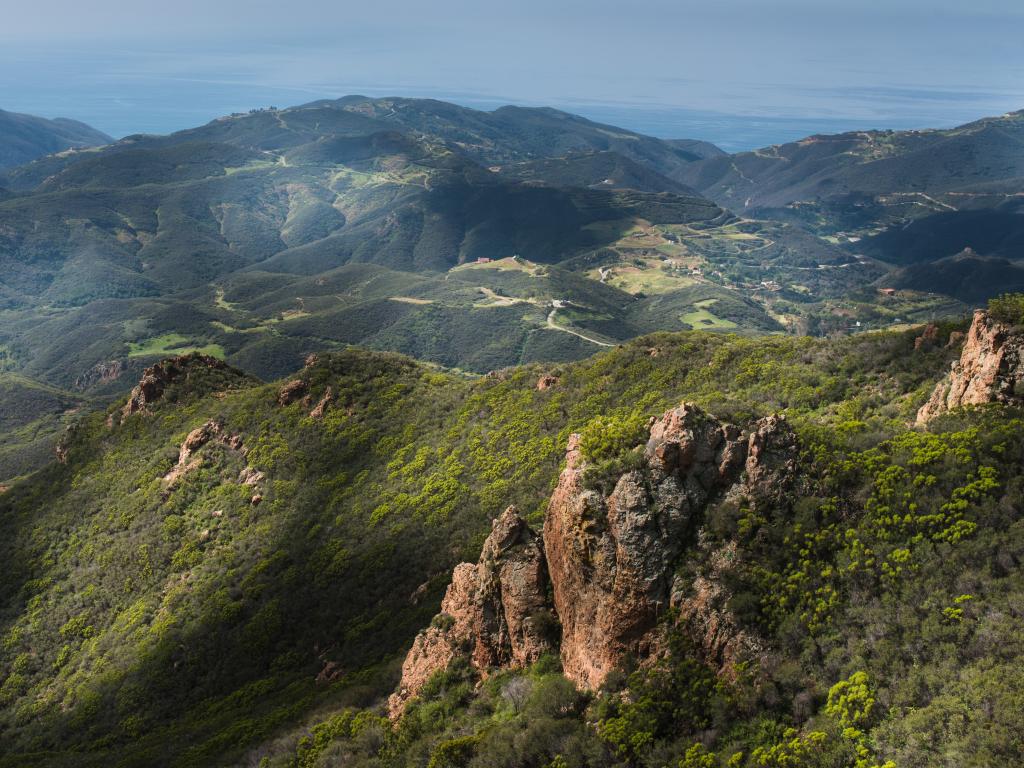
(233,577)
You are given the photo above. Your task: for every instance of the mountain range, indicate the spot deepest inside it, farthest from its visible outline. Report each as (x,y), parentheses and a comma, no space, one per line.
(475,240)
(949,199)
(390,433)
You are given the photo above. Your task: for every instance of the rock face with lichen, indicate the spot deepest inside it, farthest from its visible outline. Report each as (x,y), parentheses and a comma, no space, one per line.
(990,370)
(495,611)
(702,611)
(611,560)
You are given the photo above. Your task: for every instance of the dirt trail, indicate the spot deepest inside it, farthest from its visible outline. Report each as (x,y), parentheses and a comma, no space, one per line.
(555,326)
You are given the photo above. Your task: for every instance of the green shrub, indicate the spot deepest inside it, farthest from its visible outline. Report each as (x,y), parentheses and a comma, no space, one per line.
(1008,308)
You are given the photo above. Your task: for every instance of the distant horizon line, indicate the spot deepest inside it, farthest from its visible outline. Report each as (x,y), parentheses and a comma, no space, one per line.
(607,113)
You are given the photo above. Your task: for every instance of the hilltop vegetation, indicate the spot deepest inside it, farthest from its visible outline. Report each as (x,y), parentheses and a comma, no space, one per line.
(266,236)
(153,612)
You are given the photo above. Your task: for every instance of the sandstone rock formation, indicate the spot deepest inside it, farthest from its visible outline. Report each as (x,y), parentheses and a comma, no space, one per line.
(291,391)
(611,561)
(493,610)
(772,452)
(929,337)
(156,379)
(103,372)
(547,381)
(321,407)
(702,609)
(196,439)
(62,448)
(990,370)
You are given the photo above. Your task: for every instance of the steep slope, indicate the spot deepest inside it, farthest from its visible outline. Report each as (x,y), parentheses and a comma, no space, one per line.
(600,170)
(314,538)
(24,138)
(229,573)
(32,415)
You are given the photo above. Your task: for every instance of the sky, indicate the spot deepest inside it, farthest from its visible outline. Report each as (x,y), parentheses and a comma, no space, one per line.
(741,73)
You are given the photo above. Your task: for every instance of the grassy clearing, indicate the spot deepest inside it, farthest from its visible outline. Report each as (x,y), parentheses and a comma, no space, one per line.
(702,319)
(232,329)
(171,344)
(507,263)
(492,299)
(650,279)
(223,303)
(255,165)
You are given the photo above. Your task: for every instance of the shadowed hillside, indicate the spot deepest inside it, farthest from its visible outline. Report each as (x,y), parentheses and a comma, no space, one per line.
(227,572)
(24,138)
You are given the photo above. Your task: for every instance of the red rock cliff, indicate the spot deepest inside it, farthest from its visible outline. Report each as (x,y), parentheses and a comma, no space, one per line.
(494,611)
(990,370)
(612,560)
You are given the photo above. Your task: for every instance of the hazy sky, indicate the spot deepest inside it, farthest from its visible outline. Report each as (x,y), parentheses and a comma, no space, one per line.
(734,71)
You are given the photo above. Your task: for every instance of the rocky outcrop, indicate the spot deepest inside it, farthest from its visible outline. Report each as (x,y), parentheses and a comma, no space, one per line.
(612,560)
(702,610)
(929,337)
(250,476)
(157,378)
(511,596)
(196,439)
(321,407)
(772,452)
(547,381)
(291,391)
(494,611)
(990,370)
(103,372)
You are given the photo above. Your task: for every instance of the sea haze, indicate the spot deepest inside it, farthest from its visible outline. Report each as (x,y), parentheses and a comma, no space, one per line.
(124,90)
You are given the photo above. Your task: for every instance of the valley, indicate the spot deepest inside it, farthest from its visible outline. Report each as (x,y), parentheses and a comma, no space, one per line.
(263,237)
